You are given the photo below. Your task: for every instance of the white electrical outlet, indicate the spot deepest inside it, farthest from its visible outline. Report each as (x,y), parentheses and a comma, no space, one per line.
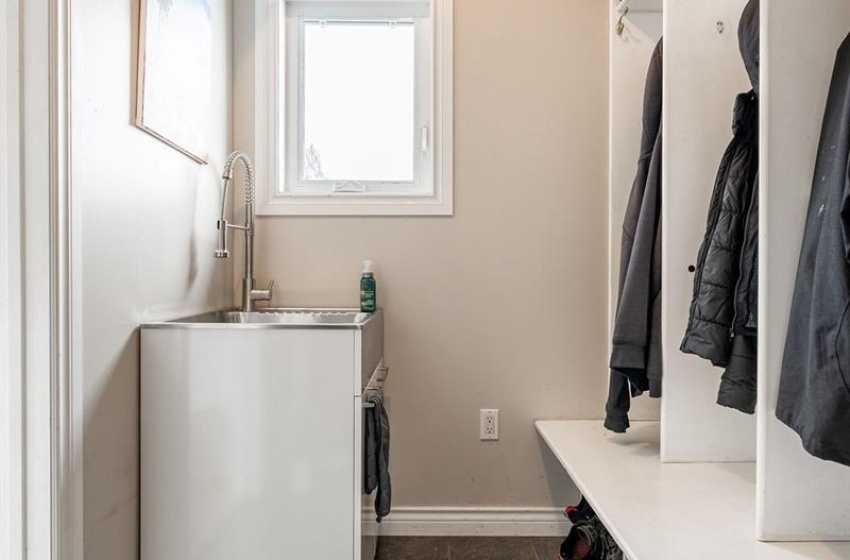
(489,424)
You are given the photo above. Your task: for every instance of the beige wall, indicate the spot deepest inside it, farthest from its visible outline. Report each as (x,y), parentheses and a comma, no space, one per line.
(148,230)
(503,305)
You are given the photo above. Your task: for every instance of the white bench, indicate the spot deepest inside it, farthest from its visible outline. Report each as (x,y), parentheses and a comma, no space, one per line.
(667,511)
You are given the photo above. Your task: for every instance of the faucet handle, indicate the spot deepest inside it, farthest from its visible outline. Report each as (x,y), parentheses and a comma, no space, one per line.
(263,295)
(222,252)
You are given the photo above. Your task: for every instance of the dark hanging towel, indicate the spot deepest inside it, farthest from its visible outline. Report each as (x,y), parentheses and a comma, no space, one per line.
(377,453)
(814,391)
(636,357)
(722,326)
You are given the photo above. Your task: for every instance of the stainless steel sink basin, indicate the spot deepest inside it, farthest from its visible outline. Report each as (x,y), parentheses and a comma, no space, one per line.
(292,317)
(275,318)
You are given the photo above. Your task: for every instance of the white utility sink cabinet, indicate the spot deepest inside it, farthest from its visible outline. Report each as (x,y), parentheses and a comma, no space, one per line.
(251,440)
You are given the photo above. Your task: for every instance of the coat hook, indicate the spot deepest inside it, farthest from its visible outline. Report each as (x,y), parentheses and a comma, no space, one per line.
(621,25)
(721,27)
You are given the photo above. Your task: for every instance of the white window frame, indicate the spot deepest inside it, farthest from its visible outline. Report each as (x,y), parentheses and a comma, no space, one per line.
(273,126)
(295,186)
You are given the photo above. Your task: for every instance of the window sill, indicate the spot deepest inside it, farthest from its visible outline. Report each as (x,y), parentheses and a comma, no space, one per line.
(355,205)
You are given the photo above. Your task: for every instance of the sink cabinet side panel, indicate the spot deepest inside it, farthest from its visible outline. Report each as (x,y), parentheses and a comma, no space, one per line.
(246,444)
(370,344)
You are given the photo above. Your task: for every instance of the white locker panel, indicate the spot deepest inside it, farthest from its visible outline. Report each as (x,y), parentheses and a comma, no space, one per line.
(799,497)
(703,72)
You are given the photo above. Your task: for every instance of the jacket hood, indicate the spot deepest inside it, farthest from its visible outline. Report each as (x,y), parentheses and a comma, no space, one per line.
(748,40)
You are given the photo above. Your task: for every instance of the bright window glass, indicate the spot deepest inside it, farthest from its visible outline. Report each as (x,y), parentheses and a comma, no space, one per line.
(358,101)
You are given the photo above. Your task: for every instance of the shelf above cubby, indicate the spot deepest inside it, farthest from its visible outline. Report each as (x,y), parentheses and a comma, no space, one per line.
(645,5)
(668,510)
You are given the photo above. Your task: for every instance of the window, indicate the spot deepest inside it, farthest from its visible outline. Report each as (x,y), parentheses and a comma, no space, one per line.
(354,107)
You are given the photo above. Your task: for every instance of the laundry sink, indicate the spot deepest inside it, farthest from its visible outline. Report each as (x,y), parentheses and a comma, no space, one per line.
(275,317)
(251,433)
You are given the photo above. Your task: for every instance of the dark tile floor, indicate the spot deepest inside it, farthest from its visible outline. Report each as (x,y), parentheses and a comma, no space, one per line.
(468,548)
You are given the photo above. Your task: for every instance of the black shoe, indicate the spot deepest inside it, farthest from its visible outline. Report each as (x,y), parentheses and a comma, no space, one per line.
(581,512)
(582,543)
(588,538)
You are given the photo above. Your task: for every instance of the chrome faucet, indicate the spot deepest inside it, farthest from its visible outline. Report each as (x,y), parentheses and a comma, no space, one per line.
(249,293)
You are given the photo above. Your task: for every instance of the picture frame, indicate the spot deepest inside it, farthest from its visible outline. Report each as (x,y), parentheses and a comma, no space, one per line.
(174,78)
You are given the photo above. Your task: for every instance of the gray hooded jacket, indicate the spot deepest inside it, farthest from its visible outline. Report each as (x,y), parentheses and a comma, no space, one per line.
(814,391)
(636,356)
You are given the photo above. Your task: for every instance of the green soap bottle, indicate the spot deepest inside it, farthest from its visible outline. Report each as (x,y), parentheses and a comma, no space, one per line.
(368,289)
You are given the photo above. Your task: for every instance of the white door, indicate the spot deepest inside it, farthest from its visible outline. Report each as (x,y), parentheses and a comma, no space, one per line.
(11,381)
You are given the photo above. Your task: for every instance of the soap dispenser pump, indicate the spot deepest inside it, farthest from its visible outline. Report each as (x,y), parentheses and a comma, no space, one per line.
(368,289)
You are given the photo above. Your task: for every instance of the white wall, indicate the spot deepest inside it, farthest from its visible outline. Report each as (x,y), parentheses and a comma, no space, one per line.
(503,305)
(148,233)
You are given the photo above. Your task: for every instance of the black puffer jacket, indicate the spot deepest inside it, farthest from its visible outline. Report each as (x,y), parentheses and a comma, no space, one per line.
(709,333)
(724,312)
(738,388)
(748,41)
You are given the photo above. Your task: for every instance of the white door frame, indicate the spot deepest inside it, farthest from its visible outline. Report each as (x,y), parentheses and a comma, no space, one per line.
(40,381)
(11,354)
(66,292)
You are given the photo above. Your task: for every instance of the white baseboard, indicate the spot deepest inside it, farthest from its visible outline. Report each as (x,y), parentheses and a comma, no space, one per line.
(473,522)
